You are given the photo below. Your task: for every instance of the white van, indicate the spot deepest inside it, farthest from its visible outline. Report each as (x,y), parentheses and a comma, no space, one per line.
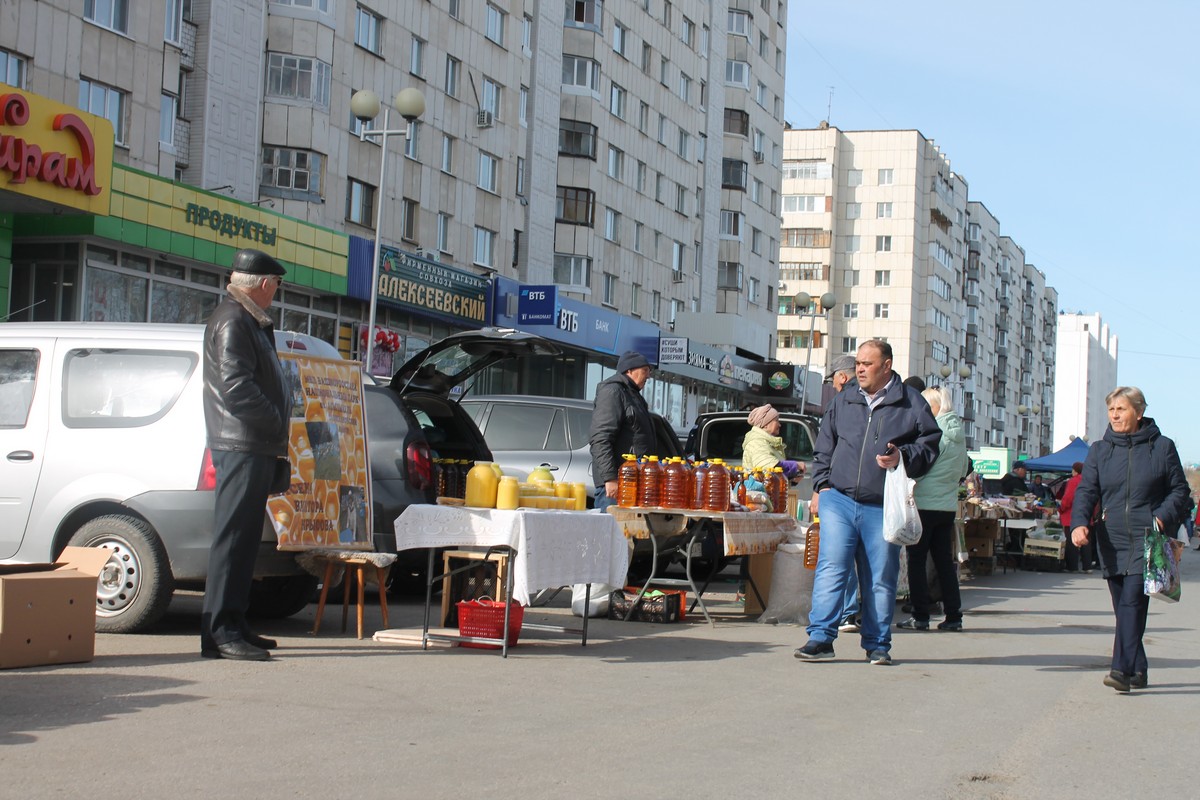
(103,444)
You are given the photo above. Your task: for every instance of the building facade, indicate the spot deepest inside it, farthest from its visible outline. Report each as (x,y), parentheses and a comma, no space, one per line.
(1085,372)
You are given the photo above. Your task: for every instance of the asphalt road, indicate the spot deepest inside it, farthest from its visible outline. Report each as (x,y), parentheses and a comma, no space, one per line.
(1011,708)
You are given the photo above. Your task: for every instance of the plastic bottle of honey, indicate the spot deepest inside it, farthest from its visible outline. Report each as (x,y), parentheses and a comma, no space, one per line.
(627,482)
(508,493)
(699,476)
(812,543)
(716,486)
(650,483)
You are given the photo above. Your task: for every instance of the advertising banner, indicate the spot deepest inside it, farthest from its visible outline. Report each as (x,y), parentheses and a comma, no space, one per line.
(537,305)
(329,503)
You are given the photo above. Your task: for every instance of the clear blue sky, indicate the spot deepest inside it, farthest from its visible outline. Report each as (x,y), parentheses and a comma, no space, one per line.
(1076,124)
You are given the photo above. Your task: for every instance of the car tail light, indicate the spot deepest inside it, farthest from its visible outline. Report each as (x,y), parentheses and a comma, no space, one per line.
(420,466)
(208,474)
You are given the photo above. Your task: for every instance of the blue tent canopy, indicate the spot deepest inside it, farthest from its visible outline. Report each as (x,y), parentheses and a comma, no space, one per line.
(1060,460)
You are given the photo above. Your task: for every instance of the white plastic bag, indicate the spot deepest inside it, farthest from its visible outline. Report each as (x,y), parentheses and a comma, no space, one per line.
(598,602)
(901,522)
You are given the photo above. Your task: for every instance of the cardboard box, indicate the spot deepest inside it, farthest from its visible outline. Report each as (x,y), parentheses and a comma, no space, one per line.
(762,567)
(48,611)
(984,546)
(984,528)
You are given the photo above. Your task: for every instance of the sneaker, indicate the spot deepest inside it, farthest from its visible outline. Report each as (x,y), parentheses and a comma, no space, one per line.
(849,625)
(1137,680)
(1117,680)
(814,651)
(914,624)
(880,658)
(951,625)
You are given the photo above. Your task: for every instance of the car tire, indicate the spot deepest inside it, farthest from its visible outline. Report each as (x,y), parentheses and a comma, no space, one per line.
(281,596)
(134,589)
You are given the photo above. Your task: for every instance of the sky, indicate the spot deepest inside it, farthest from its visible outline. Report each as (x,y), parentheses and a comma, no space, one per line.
(1075,123)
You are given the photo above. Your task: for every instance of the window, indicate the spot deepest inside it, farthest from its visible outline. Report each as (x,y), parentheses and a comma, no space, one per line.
(104,101)
(731,224)
(616,163)
(641,177)
(883,244)
(660,183)
(319,5)
(805,237)
(883,277)
(295,170)
(520,177)
(523,111)
(572,270)
(610,289)
(412,139)
(620,38)
(575,206)
(685,140)
(737,73)
(616,101)
(739,23)
(298,78)
(638,230)
(585,12)
(850,277)
(494,30)
(729,275)
(527,33)
(408,217)
(12,69)
(416,60)
(881,311)
(662,129)
(360,200)
(803,203)
(801,271)
(581,72)
(853,210)
(647,51)
(443,232)
(643,120)
(737,122)
(854,177)
(704,40)
(635,293)
(885,177)
(485,247)
(850,311)
(664,71)
(576,139)
(489,166)
(849,344)
(883,210)
(678,257)
(667,14)
(733,174)
(173,23)
(452,8)
(752,290)
(685,87)
(758,141)
(168,109)
(367,30)
(111,14)
(448,154)
(680,198)
(756,237)
(612,225)
(491,97)
(760,93)
(655,306)
(453,67)
(851,244)
(763,44)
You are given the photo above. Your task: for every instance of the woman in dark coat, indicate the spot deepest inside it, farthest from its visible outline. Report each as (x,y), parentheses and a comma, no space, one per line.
(1134,473)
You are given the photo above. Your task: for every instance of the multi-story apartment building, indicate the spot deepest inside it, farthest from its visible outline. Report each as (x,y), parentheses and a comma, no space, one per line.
(1085,372)
(628,154)
(880,220)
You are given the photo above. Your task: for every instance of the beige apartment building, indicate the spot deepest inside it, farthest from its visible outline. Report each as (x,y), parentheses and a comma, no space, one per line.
(879,220)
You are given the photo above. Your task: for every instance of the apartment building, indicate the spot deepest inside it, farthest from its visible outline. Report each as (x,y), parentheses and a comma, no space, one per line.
(880,220)
(1085,372)
(626,153)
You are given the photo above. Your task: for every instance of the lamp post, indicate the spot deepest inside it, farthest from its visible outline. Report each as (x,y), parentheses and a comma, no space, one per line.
(804,299)
(364,105)
(1034,413)
(964,372)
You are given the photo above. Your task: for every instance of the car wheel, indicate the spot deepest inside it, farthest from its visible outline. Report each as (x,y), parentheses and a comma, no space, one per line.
(281,596)
(135,585)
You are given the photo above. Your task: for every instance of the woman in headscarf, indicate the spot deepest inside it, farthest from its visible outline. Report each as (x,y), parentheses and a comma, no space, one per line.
(763,447)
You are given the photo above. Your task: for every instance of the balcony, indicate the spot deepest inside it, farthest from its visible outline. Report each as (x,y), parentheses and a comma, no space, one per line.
(1002,349)
(187,46)
(183,141)
(973,299)
(998,425)
(1004,301)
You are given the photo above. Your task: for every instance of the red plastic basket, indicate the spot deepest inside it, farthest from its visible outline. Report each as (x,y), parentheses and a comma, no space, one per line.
(485,618)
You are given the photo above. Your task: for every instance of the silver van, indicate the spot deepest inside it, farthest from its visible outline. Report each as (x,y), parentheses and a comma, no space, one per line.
(103,444)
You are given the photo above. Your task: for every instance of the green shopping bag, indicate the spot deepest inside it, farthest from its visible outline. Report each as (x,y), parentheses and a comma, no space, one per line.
(1162,566)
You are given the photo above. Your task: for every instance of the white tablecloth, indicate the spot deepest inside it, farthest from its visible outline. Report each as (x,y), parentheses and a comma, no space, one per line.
(554,548)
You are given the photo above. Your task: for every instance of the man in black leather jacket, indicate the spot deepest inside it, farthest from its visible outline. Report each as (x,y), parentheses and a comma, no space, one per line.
(621,424)
(246,420)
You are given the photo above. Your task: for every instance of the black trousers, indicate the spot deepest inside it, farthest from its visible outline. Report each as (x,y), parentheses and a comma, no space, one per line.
(1130,605)
(938,541)
(243,482)
(1079,557)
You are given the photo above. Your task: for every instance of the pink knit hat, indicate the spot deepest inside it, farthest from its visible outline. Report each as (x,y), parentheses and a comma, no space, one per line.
(763,416)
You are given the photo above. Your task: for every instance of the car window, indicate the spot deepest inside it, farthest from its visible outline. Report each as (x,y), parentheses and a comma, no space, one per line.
(557,440)
(122,388)
(516,426)
(796,441)
(723,438)
(474,411)
(579,422)
(18,368)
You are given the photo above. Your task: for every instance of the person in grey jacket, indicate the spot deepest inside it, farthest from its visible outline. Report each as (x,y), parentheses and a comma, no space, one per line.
(620,424)
(867,429)
(1134,473)
(936,495)
(246,420)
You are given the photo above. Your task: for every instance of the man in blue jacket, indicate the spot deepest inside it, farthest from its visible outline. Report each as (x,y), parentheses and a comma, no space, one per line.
(867,429)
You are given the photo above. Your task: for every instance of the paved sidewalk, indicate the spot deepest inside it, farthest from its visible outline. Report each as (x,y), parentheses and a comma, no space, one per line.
(1011,708)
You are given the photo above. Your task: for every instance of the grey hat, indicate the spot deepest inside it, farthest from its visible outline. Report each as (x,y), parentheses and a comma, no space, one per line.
(256,262)
(842,364)
(631,359)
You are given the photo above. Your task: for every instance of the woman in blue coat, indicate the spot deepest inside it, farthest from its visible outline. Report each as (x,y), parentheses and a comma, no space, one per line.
(1134,473)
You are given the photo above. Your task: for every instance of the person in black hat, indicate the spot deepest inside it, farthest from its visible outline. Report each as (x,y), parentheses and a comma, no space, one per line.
(246,421)
(620,424)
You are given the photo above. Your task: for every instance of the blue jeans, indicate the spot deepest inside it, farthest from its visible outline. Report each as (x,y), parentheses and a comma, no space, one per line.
(852,535)
(850,598)
(602,499)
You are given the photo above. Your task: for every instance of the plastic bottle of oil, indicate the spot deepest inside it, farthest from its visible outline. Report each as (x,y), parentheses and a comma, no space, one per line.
(741,487)
(627,482)
(699,476)
(675,487)
(716,486)
(650,483)
(812,543)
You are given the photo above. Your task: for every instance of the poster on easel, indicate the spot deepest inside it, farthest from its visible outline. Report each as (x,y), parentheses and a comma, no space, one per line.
(328,503)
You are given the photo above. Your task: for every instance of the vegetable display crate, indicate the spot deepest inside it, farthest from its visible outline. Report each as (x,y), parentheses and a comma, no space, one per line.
(1045,548)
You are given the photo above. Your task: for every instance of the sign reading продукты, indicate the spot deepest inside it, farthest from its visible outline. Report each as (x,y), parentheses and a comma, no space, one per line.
(537,305)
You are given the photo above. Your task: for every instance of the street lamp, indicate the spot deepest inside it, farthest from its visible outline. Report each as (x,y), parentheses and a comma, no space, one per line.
(964,372)
(364,105)
(803,300)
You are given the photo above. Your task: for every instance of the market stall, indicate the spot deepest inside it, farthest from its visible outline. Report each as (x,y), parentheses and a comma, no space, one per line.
(1001,530)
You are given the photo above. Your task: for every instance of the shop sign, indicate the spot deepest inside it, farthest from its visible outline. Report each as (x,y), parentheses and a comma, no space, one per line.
(536,305)
(713,365)
(54,152)
(672,349)
(431,288)
(988,467)
(230,225)
(779,381)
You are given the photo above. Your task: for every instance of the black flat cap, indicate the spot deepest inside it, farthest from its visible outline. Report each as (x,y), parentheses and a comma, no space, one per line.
(256,262)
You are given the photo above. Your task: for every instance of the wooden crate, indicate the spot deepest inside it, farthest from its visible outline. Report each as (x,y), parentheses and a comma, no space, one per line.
(1045,548)
(485,580)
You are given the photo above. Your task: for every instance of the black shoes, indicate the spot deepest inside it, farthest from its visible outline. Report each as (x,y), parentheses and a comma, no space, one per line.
(237,650)
(1137,680)
(951,625)
(880,658)
(260,641)
(914,624)
(814,651)
(1117,680)
(849,625)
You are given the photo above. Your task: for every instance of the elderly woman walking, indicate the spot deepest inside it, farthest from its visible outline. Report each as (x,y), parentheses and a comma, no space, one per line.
(1135,475)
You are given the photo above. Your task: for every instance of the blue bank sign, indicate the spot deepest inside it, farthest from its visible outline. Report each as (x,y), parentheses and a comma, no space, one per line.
(537,305)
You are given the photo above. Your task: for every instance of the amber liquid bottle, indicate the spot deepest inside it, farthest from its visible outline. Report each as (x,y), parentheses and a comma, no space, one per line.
(650,483)
(812,543)
(675,487)
(716,487)
(627,482)
(699,475)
